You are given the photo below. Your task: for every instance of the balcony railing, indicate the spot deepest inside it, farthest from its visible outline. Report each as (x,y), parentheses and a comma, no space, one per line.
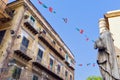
(24,52)
(43,37)
(51,71)
(2,6)
(67,62)
(72,66)
(5,13)
(30,25)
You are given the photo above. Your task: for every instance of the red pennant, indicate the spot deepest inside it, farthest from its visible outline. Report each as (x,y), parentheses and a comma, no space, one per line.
(50,9)
(80,64)
(81,31)
(87,39)
(40,2)
(93,64)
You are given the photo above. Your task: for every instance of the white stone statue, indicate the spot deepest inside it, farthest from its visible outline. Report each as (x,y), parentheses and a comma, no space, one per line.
(106,54)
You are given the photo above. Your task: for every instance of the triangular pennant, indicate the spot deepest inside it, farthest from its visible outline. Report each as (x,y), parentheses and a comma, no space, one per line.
(88,64)
(77,29)
(65,20)
(44,6)
(87,39)
(51,9)
(81,31)
(93,64)
(54,12)
(80,65)
(40,2)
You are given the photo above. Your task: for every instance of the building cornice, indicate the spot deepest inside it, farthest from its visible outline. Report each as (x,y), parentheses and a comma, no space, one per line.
(47,26)
(42,21)
(112,14)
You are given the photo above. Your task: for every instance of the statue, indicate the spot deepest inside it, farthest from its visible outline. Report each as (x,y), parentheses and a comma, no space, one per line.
(106,54)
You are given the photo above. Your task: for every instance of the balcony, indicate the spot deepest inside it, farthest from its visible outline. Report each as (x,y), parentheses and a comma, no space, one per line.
(51,72)
(44,38)
(72,66)
(67,62)
(30,25)
(23,52)
(5,13)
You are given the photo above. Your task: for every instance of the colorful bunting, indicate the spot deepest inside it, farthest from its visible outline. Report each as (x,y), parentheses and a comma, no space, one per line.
(65,20)
(54,12)
(87,39)
(44,6)
(81,31)
(51,9)
(93,64)
(40,2)
(88,64)
(80,64)
(77,29)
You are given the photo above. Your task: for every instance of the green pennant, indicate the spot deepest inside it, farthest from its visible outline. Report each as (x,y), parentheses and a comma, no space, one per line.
(44,6)
(77,29)
(54,12)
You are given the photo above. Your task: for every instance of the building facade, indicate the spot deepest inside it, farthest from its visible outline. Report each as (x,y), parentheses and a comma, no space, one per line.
(112,19)
(30,49)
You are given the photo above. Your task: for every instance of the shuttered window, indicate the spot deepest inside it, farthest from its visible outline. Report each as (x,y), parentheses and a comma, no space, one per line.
(35,77)
(16,73)
(40,54)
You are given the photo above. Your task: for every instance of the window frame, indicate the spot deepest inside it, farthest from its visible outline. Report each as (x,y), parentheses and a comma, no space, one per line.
(2,35)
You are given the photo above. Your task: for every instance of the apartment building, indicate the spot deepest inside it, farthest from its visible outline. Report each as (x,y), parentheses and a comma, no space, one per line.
(30,49)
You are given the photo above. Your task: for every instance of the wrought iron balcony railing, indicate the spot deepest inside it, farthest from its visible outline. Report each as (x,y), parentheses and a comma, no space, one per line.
(5,12)
(24,52)
(30,25)
(43,37)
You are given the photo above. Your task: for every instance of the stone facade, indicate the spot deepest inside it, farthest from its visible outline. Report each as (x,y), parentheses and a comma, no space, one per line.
(30,49)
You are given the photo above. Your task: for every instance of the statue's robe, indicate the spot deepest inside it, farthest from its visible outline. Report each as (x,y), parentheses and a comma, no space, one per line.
(106,57)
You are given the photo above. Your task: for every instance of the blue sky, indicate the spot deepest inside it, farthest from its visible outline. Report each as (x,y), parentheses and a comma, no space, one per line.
(82,14)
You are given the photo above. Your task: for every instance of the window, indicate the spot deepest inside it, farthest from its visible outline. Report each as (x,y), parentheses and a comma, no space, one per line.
(35,77)
(51,63)
(58,68)
(25,43)
(66,57)
(32,19)
(16,73)
(44,31)
(2,33)
(70,77)
(40,54)
(66,73)
(54,42)
(60,49)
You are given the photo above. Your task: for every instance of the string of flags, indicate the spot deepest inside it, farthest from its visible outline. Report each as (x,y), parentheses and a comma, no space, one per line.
(49,8)
(65,20)
(88,64)
(81,31)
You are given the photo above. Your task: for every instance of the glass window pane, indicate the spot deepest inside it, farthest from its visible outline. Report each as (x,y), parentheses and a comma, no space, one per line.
(2,33)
